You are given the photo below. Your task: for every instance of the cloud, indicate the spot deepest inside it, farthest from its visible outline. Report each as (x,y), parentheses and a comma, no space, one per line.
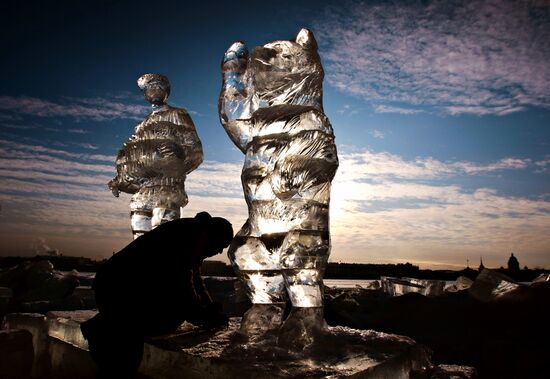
(64,196)
(13,149)
(408,210)
(543,165)
(194,113)
(89,146)
(384,208)
(78,131)
(4,117)
(477,57)
(347,110)
(373,166)
(19,126)
(96,109)
(377,134)
(390,109)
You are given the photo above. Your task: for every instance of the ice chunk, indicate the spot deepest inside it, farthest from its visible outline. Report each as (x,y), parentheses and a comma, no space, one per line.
(271,107)
(447,371)
(65,326)
(541,278)
(154,162)
(431,287)
(400,286)
(396,286)
(490,285)
(461,283)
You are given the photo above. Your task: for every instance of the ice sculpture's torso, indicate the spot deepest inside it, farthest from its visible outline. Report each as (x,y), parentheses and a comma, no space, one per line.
(288,166)
(164,149)
(271,108)
(154,162)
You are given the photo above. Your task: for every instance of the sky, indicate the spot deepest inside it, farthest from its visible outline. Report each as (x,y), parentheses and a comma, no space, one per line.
(441,111)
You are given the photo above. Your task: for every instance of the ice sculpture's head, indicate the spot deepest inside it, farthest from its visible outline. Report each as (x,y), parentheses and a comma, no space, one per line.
(216,233)
(155,88)
(288,72)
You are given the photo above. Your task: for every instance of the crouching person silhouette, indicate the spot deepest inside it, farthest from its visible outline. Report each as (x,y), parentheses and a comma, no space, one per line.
(150,287)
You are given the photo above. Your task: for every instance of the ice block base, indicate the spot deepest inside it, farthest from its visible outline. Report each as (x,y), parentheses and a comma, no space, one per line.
(195,353)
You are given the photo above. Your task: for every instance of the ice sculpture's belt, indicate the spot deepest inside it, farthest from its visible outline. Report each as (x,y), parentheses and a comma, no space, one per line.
(164,181)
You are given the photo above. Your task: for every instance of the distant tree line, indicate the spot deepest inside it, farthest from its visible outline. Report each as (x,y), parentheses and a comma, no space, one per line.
(333,271)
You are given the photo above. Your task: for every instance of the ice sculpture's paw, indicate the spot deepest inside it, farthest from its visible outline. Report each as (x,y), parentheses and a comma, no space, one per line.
(113,186)
(236,103)
(260,320)
(302,329)
(235,58)
(235,61)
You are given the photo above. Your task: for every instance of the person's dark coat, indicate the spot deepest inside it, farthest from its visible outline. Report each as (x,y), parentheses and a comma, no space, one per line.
(150,287)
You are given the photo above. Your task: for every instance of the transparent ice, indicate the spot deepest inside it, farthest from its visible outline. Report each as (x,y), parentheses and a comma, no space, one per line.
(153,163)
(400,286)
(271,107)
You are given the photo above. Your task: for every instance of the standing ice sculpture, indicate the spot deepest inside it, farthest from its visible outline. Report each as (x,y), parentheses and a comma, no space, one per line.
(154,162)
(271,108)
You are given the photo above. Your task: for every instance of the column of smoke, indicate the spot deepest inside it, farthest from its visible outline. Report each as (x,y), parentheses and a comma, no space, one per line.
(39,247)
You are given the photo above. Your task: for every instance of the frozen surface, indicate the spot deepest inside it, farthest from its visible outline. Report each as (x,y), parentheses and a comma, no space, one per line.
(154,162)
(271,107)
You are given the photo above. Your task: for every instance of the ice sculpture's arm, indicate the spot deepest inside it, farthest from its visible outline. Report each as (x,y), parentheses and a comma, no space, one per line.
(194,156)
(124,180)
(235,103)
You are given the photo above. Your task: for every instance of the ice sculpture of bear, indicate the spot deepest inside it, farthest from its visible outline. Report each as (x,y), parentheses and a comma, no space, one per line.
(154,162)
(271,107)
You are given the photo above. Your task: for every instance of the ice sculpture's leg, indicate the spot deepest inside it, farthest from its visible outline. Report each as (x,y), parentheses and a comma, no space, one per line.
(256,261)
(303,258)
(260,320)
(162,215)
(304,255)
(168,202)
(302,328)
(301,179)
(255,251)
(141,222)
(257,264)
(141,213)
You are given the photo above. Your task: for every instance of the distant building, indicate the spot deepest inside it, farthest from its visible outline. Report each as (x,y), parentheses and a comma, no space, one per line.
(481,267)
(513,263)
